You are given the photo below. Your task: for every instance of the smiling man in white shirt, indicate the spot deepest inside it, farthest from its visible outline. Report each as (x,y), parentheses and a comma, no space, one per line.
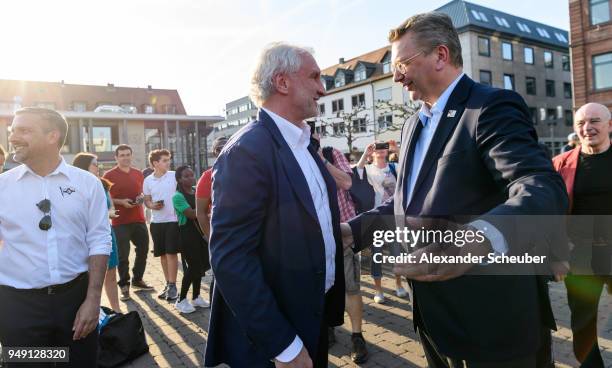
(55,243)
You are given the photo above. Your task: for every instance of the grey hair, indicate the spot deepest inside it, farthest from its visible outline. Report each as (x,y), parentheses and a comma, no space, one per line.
(276,58)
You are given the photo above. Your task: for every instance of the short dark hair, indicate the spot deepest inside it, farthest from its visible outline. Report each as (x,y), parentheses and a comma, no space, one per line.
(123,147)
(55,120)
(218,145)
(430,30)
(157,154)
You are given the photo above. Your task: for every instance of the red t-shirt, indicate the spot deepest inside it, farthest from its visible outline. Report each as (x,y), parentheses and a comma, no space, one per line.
(204,187)
(126,185)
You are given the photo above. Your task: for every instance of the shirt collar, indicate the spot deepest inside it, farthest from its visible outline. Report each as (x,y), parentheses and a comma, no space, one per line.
(437,108)
(62,168)
(295,137)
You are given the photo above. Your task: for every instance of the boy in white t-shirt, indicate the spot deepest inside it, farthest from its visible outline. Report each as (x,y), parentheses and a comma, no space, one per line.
(158,189)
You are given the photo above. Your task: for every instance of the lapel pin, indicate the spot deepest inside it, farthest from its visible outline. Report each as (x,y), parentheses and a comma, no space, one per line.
(451,113)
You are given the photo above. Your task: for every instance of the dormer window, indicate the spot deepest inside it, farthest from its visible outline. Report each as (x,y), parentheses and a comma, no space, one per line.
(386,62)
(340,80)
(360,73)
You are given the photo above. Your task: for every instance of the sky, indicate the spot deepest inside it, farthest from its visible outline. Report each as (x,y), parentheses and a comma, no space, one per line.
(204,49)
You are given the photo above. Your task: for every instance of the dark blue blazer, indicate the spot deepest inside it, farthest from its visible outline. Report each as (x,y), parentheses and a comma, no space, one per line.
(267,252)
(484,161)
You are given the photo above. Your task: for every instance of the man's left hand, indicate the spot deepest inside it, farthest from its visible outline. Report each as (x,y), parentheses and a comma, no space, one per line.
(86,318)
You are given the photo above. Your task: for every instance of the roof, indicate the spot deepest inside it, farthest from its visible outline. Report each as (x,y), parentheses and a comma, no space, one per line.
(62,95)
(465,14)
(373,57)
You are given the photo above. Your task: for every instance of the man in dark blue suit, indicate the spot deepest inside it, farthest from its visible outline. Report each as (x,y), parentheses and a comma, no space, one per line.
(275,244)
(471,152)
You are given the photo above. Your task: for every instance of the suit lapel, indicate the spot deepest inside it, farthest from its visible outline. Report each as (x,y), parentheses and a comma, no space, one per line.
(330,184)
(292,168)
(405,151)
(445,127)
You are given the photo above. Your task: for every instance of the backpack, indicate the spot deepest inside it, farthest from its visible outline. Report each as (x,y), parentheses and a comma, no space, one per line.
(122,339)
(361,192)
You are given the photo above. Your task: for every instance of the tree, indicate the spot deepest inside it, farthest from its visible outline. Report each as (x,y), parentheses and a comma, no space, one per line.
(354,124)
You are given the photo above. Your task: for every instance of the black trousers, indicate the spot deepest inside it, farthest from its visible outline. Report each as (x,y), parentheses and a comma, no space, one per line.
(435,359)
(320,358)
(29,319)
(192,247)
(583,293)
(136,233)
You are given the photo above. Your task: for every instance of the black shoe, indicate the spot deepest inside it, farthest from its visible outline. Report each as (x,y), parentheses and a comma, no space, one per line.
(141,285)
(331,337)
(359,353)
(164,293)
(125,293)
(172,293)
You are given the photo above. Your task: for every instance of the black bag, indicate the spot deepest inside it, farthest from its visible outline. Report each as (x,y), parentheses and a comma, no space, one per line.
(361,192)
(122,339)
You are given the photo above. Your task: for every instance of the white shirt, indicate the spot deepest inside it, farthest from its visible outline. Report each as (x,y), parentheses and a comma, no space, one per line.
(162,188)
(298,140)
(382,181)
(31,258)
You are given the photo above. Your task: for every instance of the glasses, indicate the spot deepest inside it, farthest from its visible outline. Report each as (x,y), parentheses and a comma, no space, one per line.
(45,207)
(402,66)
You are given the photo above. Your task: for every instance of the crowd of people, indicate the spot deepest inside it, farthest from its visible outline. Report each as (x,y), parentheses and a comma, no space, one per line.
(281,221)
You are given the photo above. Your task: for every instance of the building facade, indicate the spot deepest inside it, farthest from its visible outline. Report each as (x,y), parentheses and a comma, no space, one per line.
(591,51)
(102,117)
(498,49)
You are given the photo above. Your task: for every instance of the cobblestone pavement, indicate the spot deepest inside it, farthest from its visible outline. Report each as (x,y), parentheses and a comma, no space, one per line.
(178,340)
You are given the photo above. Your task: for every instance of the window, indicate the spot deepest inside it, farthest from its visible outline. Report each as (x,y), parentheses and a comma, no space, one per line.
(339,128)
(147,109)
(533,113)
(358,100)
(569,118)
(567,90)
(360,73)
(509,81)
(339,82)
(548,59)
(242,108)
(476,15)
(320,130)
(385,121)
(485,77)
(530,85)
(105,138)
(501,21)
(561,37)
(79,106)
(551,116)
(506,50)
(600,11)
(45,105)
(170,109)
(322,109)
(565,63)
(484,47)
(602,71)
(232,111)
(550,88)
(542,32)
(386,62)
(528,55)
(383,94)
(523,27)
(337,105)
(128,108)
(359,125)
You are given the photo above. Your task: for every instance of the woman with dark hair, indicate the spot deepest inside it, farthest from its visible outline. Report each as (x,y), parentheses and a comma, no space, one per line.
(89,162)
(191,240)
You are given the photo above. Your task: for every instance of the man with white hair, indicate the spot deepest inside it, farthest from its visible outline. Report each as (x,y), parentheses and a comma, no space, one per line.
(275,241)
(586,172)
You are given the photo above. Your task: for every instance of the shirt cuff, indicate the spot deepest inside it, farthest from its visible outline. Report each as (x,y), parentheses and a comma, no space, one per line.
(496,238)
(291,351)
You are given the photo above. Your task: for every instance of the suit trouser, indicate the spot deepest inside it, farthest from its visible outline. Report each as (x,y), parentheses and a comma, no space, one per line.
(435,359)
(35,319)
(583,294)
(136,233)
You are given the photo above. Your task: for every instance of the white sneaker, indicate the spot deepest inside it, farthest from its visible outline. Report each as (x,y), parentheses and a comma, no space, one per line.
(184,306)
(401,292)
(199,302)
(379,298)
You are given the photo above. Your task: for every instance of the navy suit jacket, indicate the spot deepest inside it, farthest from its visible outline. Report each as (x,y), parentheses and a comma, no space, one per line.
(484,161)
(267,252)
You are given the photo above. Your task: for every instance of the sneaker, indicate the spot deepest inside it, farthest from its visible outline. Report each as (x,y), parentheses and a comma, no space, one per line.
(401,292)
(172,292)
(379,298)
(125,293)
(141,285)
(331,337)
(359,352)
(164,293)
(184,306)
(199,302)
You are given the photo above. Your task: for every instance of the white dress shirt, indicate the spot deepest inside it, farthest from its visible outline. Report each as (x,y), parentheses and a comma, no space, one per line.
(430,118)
(33,258)
(298,140)
(161,189)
